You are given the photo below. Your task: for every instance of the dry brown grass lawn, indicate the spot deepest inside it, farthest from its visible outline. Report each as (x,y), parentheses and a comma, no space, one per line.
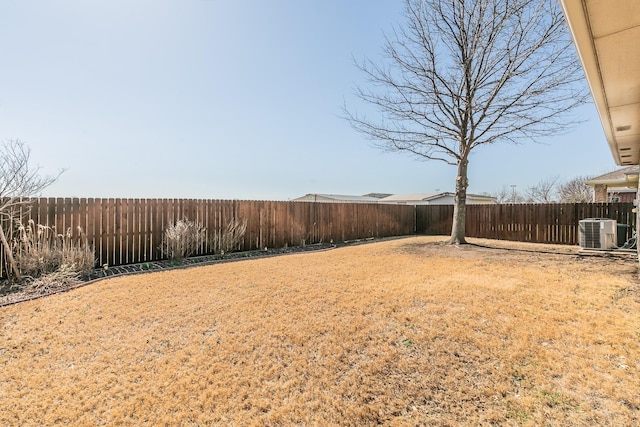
(403,332)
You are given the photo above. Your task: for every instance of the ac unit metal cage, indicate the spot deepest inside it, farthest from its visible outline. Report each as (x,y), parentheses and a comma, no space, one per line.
(597,233)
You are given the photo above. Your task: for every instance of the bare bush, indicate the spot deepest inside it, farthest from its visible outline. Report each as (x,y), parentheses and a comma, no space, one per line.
(231,237)
(40,251)
(65,277)
(182,239)
(77,253)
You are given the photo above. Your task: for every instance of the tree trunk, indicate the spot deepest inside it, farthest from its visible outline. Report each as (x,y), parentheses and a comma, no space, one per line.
(9,254)
(458,230)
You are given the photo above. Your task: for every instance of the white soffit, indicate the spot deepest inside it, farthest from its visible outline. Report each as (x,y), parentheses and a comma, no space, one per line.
(607,36)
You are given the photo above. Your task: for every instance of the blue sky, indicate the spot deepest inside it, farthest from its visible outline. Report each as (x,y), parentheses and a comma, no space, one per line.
(226,99)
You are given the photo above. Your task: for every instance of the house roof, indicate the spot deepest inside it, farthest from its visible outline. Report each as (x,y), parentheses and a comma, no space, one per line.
(378,195)
(606,36)
(420,197)
(620,177)
(370,198)
(411,197)
(337,197)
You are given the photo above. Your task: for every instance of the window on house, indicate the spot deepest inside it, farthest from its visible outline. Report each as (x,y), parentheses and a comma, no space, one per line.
(615,199)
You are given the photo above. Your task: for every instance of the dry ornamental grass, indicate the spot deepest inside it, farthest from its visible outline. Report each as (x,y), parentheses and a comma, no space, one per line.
(403,332)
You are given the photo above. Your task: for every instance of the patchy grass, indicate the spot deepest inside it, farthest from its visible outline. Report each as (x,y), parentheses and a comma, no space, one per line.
(405,332)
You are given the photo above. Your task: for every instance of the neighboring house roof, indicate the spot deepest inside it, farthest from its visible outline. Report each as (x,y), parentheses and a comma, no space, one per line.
(429,197)
(419,198)
(315,197)
(606,37)
(410,197)
(469,196)
(378,195)
(625,177)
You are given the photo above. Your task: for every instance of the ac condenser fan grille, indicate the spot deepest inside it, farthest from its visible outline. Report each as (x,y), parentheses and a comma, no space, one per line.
(590,235)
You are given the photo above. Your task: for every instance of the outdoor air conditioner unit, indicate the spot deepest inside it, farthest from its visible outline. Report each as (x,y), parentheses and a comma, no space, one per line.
(597,233)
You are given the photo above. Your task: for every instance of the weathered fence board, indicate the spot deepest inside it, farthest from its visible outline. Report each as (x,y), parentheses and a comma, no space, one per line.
(127,231)
(537,223)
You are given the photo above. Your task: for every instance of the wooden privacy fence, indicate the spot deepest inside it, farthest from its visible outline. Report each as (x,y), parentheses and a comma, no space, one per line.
(125,231)
(538,223)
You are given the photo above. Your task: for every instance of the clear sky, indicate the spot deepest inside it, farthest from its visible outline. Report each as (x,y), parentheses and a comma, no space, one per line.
(226,99)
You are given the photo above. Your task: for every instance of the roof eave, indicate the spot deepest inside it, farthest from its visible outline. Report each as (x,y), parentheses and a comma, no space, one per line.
(578,23)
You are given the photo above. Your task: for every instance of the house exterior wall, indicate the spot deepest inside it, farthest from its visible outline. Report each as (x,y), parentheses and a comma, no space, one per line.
(600,193)
(447,200)
(330,199)
(621,197)
(313,198)
(474,201)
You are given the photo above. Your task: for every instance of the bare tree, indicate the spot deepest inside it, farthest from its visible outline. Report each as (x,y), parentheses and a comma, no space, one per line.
(508,194)
(465,73)
(543,192)
(502,195)
(18,181)
(575,191)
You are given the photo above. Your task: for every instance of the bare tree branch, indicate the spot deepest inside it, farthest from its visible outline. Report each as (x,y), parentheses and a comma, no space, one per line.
(576,191)
(19,181)
(508,194)
(544,191)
